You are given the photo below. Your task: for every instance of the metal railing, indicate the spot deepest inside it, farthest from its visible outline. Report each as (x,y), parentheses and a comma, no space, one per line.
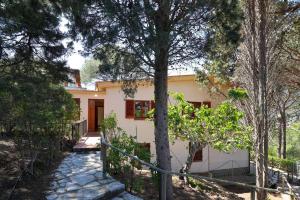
(79,129)
(164,174)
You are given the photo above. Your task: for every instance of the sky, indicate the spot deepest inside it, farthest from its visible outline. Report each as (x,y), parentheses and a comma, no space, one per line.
(76,60)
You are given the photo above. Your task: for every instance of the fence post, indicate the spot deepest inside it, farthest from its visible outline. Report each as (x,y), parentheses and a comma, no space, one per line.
(81,126)
(72,127)
(163,186)
(232,168)
(252,194)
(103,157)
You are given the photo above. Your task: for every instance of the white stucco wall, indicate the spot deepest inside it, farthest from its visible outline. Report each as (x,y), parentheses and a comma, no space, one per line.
(114,101)
(84,97)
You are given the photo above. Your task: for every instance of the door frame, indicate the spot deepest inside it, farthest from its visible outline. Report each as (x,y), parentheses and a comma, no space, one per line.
(92,114)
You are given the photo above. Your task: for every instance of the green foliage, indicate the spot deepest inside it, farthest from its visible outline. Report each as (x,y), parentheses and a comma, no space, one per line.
(89,70)
(155,175)
(129,145)
(237,93)
(293,141)
(219,127)
(30,33)
(109,127)
(159,35)
(132,32)
(122,165)
(287,165)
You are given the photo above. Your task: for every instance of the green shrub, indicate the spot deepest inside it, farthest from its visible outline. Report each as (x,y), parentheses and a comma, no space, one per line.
(123,166)
(283,164)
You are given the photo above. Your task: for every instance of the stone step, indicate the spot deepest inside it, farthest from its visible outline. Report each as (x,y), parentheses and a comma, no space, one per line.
(85,149)
(126,196)
(86,144)
(88,192)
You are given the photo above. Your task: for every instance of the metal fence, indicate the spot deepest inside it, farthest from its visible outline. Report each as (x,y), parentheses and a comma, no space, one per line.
(298,168)
(164,174)
(79,129)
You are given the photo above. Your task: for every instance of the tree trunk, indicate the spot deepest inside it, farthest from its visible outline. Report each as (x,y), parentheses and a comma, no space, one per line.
(257,109)
(161,126)
(262,68)
(258,23)
(161,93)
(283,134)
(279,152)
(193,148)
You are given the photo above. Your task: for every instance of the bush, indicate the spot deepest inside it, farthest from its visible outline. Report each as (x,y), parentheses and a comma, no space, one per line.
(123,166)
(110,128)
(283,164)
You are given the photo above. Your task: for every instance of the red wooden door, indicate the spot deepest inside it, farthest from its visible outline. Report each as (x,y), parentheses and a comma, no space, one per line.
(92,116)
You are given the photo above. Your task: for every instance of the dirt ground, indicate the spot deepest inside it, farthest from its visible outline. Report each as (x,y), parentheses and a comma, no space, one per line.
(34,187)
(208,191)
(245,193)
(29,187)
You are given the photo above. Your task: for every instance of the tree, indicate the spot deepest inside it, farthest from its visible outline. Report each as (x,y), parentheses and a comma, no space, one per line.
(284,98)
(259,70)
(218,127)
(31,51)
(30,33)
(293,140)
(255,67)
(31,67)
(89,70)
(161,35)
(287,86)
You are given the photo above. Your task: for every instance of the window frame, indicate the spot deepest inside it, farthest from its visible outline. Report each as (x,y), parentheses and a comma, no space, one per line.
(196,156)
(131,114)
(143,115)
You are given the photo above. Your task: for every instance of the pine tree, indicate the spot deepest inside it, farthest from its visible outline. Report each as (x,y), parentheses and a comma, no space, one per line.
(160,35)
(29,32)
(31,60)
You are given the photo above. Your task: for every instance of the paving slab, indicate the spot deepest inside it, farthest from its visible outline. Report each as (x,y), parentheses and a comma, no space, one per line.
(79,177)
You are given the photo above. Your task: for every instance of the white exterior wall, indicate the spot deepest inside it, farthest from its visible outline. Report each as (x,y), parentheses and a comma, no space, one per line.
(84,97)
(114,101)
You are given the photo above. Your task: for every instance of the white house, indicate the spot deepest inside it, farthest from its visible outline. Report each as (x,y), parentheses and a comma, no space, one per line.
(108,97)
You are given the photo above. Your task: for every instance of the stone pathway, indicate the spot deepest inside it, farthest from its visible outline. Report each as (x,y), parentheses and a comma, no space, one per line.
(79,176)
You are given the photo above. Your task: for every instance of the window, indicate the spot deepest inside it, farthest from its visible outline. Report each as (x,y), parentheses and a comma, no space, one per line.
(138,109)
(195,104)
(198,156)
(207,103)
(77,100)
(199,104)
(141,109)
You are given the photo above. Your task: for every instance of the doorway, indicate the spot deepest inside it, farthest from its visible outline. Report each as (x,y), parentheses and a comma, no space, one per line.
(95,114)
